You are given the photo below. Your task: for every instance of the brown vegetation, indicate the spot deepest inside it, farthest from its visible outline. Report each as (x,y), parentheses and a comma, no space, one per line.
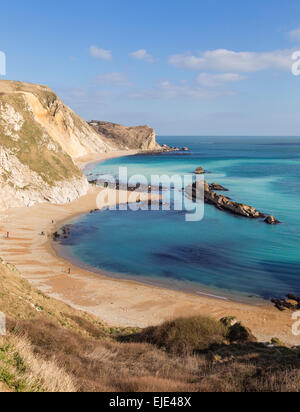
(185,335)
(52,347)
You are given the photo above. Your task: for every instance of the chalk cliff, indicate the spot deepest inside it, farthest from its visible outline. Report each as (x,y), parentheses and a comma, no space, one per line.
(39,135)
(39,139)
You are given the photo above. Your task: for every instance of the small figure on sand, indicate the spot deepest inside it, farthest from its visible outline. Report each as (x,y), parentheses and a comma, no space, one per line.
(69,271)
(7,235)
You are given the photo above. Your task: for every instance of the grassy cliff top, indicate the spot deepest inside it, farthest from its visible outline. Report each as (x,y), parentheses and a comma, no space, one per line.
(11,86)
(26,139)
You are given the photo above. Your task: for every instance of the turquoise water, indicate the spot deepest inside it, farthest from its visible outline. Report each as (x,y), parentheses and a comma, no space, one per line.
(222,254)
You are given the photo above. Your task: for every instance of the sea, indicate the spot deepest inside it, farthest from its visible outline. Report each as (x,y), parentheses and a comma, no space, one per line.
(222,255)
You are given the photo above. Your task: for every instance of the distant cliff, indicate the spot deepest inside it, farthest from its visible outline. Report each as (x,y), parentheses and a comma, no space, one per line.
(139,137)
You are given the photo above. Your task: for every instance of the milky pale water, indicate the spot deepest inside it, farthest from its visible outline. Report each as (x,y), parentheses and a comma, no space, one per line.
(224,254)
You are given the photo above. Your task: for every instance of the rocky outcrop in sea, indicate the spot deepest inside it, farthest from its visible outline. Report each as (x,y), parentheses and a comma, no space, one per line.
(222,202)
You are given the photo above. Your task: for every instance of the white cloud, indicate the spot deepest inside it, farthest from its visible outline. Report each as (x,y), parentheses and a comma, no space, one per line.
(223,60)
(214,80)
(295,34)
(115,79)
(142,55)
(170,91)
(99,53)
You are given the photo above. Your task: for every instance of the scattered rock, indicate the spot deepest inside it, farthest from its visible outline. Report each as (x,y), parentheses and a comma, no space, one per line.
(56,236)
(217,187)
(185,149)
(199,171)
(166,148)
(293,297)
(278,304)
(271,220)
(292,303)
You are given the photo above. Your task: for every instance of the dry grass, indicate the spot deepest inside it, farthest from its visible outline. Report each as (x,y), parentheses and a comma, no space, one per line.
(104,365)
(23,371)
(19,300)
(52,347)
(108,365)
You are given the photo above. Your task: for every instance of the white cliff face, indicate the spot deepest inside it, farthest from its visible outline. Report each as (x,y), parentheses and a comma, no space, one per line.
(150,142)
(20,186)
(72,133)
(38,136)
(11,120)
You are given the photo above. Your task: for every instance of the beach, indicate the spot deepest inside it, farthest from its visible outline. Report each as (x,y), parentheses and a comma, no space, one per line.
(117,302)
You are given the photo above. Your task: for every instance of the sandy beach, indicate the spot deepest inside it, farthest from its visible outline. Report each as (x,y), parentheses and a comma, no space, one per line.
(117,302)
(101,157)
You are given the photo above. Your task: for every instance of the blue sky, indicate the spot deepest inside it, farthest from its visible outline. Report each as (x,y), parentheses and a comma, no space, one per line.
(188,67)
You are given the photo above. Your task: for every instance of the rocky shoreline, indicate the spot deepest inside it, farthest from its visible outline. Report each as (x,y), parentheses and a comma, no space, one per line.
(224,203)
(291,303)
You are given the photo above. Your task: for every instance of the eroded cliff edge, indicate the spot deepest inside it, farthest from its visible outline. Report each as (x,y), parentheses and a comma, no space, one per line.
(39,137)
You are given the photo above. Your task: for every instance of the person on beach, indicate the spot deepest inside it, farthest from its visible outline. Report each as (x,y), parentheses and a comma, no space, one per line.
(69,271)
(7,235)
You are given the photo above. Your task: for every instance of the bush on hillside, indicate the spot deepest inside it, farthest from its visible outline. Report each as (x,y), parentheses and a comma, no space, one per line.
(238,333)
(185,335)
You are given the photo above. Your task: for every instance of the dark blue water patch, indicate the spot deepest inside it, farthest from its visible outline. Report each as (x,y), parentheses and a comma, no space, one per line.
(285,272)
(76,233)
(167,274)
(170,258)
(195,255)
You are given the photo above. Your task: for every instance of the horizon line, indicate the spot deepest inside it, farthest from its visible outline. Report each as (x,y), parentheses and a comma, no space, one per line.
(221,135)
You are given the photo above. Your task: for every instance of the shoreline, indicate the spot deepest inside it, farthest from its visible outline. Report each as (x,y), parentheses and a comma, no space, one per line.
(178,286)
(91,159)
(118,302)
